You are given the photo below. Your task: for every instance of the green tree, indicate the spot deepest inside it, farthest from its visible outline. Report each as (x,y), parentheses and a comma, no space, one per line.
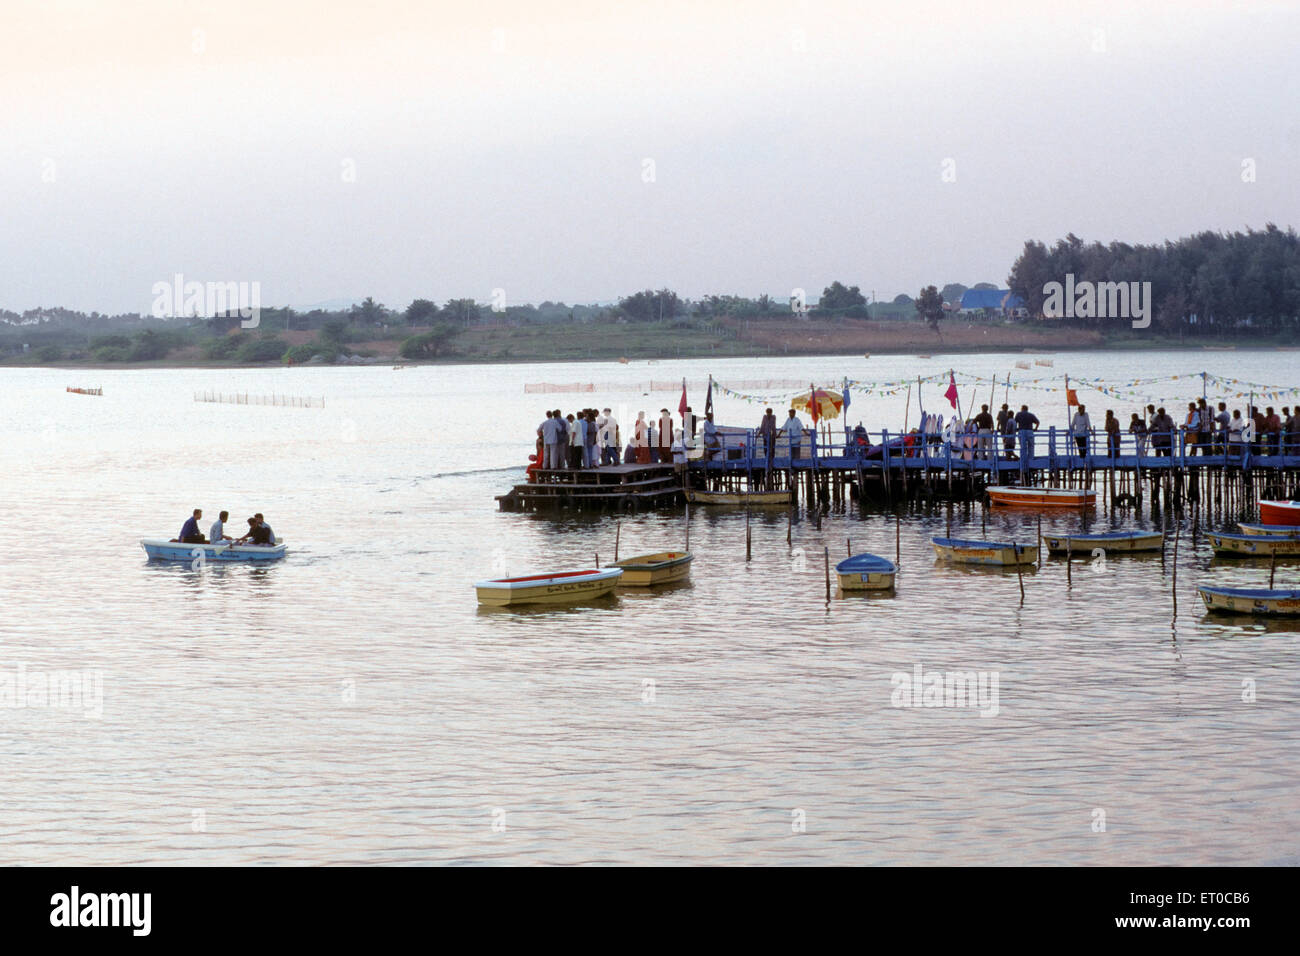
(836,297)
(929,306)
(432,344)
(650,306)
(421,312)
(463,312)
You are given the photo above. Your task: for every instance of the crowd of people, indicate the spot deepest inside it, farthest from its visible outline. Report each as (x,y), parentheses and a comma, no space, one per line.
(259,532)
(1204,430)
(589,439)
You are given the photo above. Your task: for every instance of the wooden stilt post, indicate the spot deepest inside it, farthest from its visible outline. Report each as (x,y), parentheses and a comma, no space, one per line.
(827,552)
(618,530)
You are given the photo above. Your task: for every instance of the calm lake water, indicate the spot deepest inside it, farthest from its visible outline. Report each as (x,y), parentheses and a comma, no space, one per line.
(353,705)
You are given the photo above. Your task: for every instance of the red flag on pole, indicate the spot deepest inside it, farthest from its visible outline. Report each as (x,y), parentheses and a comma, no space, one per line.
(951,394)
(681,406)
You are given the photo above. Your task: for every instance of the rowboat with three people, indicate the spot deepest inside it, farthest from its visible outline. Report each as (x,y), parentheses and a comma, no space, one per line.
(162,550)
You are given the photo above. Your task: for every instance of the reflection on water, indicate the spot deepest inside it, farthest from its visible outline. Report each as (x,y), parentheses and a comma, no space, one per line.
(354,704)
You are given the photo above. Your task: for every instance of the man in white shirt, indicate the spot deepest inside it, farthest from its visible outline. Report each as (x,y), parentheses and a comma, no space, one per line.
(608,438)
(793,429)
(217,533)
(1080,428)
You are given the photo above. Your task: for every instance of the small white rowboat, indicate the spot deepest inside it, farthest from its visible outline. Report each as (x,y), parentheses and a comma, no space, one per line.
(557,587)
(1251,600)
(1282,529)
(649,569)
(739,497)
(1042,497)
(1119,542)
(1254,545)
(998,553)
(161,550)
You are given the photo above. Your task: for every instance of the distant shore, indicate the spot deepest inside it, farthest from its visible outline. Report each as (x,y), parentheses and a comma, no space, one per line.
(726,338)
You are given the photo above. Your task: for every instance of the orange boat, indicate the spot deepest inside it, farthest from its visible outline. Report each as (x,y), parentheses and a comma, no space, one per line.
(1279,512)
(1042,497)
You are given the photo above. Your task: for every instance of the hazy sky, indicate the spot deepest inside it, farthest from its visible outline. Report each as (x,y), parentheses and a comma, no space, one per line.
(406,149)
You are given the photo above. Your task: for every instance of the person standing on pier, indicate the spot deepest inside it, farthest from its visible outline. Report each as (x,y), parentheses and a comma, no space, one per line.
(1006,426)
(609,439)
(1112,433)
(1162,433)
(589,442)
(1026,424)
(767,428)
(793,429)
(984,424)
(1289,427)
(712,443)
(1223,420)
(1204,431)
(561,441)
(1080,429)
(1272,432)
(1138,429)
(1191,428)
(1236,434)
(665,435)
(641,439)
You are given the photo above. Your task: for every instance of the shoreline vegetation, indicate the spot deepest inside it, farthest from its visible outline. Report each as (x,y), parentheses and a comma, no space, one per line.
(1210,290)
(667,341)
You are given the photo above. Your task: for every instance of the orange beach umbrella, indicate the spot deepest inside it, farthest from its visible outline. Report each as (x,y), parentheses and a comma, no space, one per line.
(829,404)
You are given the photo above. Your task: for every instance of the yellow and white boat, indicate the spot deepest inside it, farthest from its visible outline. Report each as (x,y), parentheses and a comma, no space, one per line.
(1254,545)
(866,572)
(739,497)
(646,570)
(996,553)
(557,587)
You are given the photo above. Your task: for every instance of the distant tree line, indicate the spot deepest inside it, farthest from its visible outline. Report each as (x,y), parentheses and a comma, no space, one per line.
(1222,281)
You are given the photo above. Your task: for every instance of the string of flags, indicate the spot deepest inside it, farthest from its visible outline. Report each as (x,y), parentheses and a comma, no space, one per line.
(1133,389)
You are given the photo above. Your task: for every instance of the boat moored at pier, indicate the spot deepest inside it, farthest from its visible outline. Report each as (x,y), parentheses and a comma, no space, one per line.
(1041,497)
(1279,512)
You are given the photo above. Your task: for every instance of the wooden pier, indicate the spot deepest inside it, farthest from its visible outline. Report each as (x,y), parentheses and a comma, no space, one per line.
(884,472)
(624,488)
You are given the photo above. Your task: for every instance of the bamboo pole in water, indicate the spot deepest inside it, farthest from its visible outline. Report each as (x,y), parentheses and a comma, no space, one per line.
(1020,571)
(618,530)
(898,539)
(749,547)
(828,573)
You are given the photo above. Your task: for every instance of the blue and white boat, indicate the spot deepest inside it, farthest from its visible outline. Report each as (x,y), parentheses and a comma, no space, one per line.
(1283,530)
(159,549)
(1110,541)
(996,553)
(866,572)
(1251,600)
